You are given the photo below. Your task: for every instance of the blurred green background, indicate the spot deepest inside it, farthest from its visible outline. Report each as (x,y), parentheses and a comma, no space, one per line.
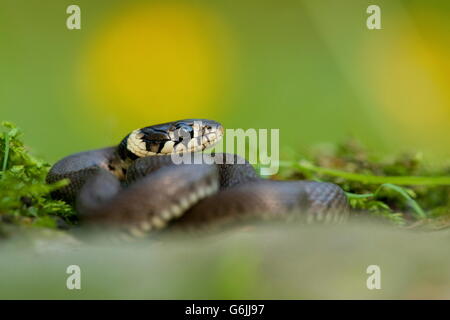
(310,68)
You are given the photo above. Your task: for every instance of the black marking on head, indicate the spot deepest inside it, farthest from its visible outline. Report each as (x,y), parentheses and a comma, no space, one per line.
(123,151)
(161,146)
(154,138)
(154,134)
(155,146)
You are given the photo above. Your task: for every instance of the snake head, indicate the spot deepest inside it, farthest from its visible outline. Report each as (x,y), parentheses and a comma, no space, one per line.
(190,135)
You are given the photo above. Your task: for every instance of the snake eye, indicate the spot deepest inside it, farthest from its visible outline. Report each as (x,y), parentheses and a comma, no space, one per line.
(184,133)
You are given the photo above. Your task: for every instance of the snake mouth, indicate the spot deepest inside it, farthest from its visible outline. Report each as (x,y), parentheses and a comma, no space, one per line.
(190,135)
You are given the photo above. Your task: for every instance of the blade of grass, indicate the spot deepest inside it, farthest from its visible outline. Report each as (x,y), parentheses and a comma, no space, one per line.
(419,213)
(6,153)
(371,179)
(359,196)
(410,201)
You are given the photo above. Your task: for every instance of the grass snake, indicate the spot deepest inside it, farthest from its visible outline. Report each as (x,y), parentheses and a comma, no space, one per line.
(138,186)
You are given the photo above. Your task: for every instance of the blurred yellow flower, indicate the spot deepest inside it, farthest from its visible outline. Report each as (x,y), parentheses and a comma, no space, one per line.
(412,84)
(155,63)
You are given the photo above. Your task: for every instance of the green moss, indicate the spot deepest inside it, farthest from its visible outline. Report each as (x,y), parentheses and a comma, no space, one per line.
(24,194)
(401,188)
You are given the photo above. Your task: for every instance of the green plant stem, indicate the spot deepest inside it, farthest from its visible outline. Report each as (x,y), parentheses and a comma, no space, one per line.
(410,201)
(364,178)
(359,196)
(6,154)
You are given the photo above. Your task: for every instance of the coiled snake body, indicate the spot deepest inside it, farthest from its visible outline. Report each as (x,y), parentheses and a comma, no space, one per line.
(138,186)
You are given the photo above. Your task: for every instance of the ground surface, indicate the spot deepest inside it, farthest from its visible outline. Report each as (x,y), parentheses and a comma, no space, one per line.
(270,262)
